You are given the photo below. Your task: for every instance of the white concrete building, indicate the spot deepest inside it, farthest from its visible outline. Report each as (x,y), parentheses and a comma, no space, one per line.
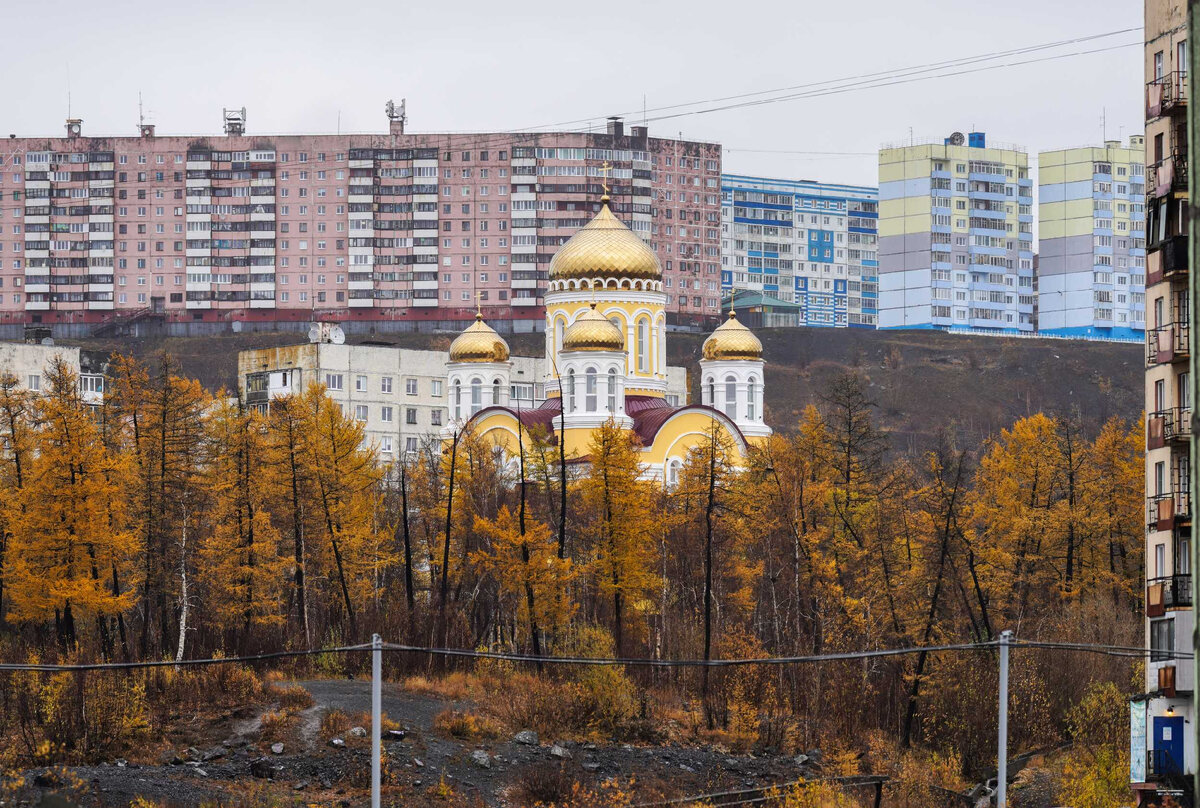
(29,363)
(400,394)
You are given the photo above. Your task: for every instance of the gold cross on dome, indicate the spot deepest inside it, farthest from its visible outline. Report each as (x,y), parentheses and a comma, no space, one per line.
(478,303)
(605,170)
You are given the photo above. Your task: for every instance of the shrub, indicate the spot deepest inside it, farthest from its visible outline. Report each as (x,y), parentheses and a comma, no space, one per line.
(291,698)
(334,724)
(466,725)
(544,784)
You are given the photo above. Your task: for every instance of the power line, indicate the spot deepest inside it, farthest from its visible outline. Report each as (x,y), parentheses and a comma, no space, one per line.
(870,85)
(928,66)
(164,663)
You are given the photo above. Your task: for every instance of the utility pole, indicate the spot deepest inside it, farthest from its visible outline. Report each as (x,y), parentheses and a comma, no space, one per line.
(376,717)
(1002,741)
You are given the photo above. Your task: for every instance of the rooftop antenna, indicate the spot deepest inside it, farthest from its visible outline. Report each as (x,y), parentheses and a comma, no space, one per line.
(397,117)
(1103,125)
(68,89)
(141,112)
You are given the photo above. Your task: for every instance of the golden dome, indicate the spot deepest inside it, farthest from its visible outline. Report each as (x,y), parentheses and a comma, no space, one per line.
(479,343)
(732,340)
(606,248)
(592,332)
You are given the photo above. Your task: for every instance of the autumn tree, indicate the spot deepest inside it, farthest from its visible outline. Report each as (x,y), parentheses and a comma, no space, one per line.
(69,521)
(16,453)
(622,520)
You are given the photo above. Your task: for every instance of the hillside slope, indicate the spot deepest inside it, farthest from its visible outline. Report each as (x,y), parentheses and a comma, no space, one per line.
(922,381)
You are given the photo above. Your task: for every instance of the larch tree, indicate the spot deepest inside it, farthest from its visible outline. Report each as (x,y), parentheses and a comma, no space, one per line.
(63,533)
(16,454)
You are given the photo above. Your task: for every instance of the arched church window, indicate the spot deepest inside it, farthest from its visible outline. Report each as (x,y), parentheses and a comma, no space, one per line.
(731,397)
(643,346)
(710,392)
(571,390)
(476,395)
(590,381)
(673,472)
(612,391)
(495,392)
(559,328)
(751,399)
(457,400)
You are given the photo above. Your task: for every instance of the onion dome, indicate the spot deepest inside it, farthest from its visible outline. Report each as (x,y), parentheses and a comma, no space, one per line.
(605,248)
(732,340)
(479,343)
(592,332)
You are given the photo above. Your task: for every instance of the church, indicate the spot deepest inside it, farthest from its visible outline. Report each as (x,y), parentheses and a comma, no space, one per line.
(606,357)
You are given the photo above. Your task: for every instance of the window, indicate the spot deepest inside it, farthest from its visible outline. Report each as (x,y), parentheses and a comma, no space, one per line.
(360,384)
(590,390)
(435,388)
(360,412)
(1162,639)
(571,390)
(410,445)
(385,444)
(435,417)
(33,381)
(385,415)
(385,384)
(410,387)
(731,397)
(612,391)
(457,400)
(333,381)
(91,384)
(643,346)
(410,415)
(751,393)
(476,396)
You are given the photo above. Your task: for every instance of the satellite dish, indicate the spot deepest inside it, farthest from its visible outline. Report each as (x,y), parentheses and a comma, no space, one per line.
(314,333)
(236,325)
(957,139)
(336,335)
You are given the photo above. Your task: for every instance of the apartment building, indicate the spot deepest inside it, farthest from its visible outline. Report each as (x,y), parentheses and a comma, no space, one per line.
(381,232)
(29,363)
(956,236)
(399,394)
(1092,241)
(803,242)
(1163,719)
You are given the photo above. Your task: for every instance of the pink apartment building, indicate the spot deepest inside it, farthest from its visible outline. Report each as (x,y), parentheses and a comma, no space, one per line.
(380,232)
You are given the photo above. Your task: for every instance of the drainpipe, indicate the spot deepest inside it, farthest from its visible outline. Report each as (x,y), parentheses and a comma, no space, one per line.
(1193,135)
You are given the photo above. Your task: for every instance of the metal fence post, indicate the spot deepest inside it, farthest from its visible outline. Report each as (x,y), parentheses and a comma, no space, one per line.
(376,716)
(1002,741)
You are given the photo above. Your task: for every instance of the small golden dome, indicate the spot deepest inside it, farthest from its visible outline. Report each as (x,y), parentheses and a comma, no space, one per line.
(606,248)
(479,343)
(732,340)
(592,332)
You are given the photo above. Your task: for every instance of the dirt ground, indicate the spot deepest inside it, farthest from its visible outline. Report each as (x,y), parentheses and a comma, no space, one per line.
(243,770)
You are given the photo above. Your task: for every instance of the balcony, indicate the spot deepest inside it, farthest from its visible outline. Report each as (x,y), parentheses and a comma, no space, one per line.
(1168,592)
(1166,511)
(1167,343)
(1172,260)
(1169,175)
(1168,426)
(1167,94)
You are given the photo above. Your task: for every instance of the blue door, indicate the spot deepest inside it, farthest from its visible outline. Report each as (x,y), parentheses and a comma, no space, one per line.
(1168,744)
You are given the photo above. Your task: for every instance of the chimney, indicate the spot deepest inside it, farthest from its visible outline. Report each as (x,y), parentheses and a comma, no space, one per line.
(639,132)
(615,127)
(74,127)
(147,130)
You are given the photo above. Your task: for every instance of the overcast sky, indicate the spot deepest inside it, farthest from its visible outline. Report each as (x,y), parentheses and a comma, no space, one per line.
(488,65)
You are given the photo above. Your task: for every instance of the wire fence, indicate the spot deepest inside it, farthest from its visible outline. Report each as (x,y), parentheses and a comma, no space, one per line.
(1131,652)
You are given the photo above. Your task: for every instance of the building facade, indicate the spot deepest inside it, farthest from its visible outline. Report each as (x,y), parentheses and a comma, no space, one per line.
(398,394)
(803,242)
(1092,241)
(1163,719)
(379,231)
(956,237)
(29,363)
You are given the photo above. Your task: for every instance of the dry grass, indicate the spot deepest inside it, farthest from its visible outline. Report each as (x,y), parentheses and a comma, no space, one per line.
(291,698)
(465,725)
(547,783)
(334,724)
(276,726)
(454,687)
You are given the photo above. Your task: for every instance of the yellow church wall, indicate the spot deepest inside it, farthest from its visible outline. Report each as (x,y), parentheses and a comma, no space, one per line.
(629,313)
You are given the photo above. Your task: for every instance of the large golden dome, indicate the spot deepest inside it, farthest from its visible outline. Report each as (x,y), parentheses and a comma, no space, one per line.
(592,332)
(606,248)
(732,340)
(479,343)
